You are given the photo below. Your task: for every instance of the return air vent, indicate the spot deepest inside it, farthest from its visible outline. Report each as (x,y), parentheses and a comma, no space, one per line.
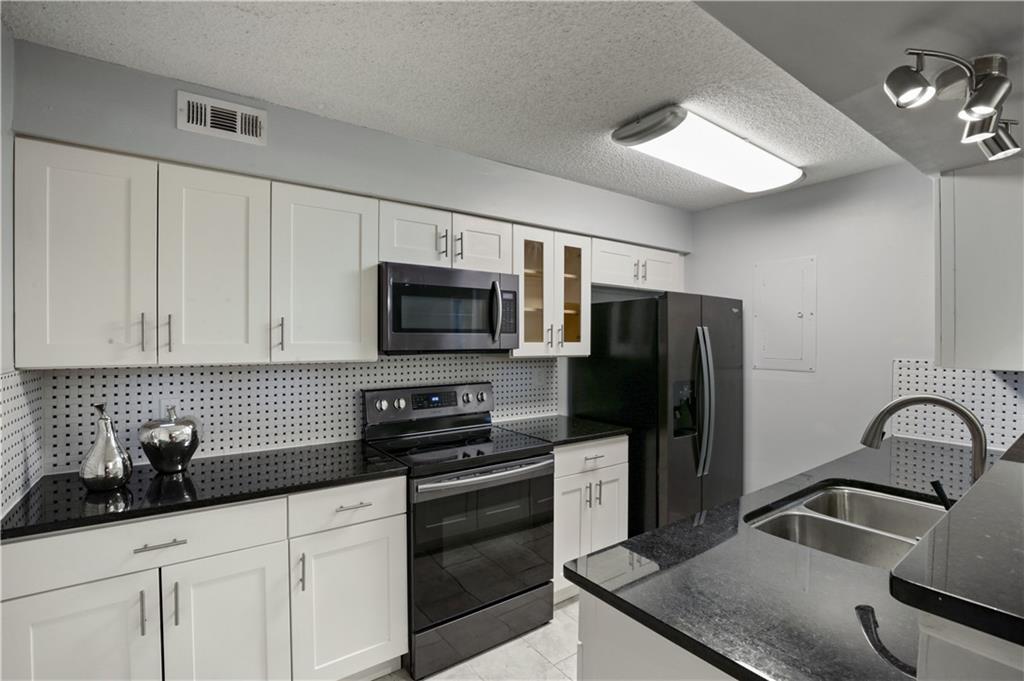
(221,119)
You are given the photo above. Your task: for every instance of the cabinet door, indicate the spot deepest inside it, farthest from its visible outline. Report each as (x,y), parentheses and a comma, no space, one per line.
(661,270)
(102,630)
(481,244)
(226,617)
(609,514)
(85,275)
(324,275)
(573,496)
(349,599)
(572,294)
(615,263)
(214,267)
(533,259)
(415,235)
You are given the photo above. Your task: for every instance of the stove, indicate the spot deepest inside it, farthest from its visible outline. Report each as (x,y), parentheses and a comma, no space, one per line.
(480,520)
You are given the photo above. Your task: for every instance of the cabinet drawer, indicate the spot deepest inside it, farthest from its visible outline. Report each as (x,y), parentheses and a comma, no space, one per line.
(348,505)
(588,456)
(55,561)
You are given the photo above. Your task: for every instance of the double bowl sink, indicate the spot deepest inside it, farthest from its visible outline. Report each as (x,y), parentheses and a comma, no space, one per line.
(874,528)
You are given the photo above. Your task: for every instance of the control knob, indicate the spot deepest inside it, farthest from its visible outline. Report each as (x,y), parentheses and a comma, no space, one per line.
(399,403)
(466,398)
(382,405)
(481,396)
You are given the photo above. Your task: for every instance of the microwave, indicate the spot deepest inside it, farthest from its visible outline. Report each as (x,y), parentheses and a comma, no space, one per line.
(440,309)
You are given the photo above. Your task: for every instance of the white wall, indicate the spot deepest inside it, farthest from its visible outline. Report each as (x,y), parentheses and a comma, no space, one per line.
(66,97)
(873,236)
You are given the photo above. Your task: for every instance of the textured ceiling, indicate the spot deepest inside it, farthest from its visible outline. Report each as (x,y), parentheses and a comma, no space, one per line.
(855,44)
(537,85)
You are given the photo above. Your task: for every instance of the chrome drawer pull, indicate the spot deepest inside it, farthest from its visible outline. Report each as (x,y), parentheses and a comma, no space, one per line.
(142,323)
(361,504)
(593,458)
(165,545)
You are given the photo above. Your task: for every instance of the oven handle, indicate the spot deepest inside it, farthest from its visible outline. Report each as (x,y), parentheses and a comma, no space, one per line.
(496,298)
(428,490)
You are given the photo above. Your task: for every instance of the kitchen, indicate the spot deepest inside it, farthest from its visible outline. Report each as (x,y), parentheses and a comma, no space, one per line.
(471,389)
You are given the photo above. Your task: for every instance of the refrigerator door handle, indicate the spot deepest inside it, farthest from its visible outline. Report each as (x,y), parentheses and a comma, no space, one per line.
(712,401)
(705,404)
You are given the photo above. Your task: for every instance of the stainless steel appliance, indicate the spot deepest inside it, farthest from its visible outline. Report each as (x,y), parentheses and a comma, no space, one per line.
(670,368)
(480,520)
(440,309)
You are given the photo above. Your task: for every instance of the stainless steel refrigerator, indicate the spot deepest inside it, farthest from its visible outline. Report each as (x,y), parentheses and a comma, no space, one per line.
(670,368)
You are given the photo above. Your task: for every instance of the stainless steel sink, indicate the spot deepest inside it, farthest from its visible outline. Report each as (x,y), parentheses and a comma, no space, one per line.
(868,527)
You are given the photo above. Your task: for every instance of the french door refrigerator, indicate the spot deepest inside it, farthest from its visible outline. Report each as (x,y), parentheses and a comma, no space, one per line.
(670,368)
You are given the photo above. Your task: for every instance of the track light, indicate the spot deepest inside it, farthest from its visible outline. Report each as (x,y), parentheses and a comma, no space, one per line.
(976,131)
(1000,145)
(684,139)
(907,87)
(987,98)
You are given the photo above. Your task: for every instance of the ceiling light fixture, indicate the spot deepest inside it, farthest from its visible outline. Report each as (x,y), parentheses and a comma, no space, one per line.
(1000,145)
(682,138)
(987,89)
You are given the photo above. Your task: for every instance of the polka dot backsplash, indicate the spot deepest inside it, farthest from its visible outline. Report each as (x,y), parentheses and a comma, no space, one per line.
(253,408)
(22,420)
(996,397)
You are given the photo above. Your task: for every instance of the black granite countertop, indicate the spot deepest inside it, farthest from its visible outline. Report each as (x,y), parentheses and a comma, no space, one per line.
(61,502)
(761,607)
(970,567)
(560,430)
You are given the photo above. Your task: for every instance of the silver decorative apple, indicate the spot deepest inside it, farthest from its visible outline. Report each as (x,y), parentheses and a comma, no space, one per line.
(170,443)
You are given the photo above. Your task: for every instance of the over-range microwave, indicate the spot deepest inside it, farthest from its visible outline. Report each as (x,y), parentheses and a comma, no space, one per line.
(440,309)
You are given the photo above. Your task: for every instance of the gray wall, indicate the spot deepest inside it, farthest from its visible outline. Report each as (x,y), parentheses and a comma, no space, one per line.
(66,97)
(6,202)
(873,236)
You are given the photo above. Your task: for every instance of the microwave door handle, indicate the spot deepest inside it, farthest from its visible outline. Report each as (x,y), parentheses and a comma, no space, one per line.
(496,305)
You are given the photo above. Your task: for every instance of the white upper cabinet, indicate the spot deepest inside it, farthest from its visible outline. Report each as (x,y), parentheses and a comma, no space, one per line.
(481,244)
(630,266)
(109,629)
(324,276)
(533,259)
(85,276)
(214,267)
(415,235)
(981,268)
(572,293)
(226,616)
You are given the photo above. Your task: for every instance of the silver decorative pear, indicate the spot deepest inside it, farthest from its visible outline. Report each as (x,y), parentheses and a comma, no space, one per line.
(107,466)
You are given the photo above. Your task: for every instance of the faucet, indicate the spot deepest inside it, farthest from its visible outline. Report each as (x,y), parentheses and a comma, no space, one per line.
(874,433)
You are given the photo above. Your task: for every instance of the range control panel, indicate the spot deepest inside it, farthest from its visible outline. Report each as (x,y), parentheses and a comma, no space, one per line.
(404,404)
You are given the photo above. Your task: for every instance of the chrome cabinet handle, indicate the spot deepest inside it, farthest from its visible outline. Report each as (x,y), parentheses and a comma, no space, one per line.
(142,323)
(561,334)
(361,504)
(645,270)
(551,335)
(593,458)
(169,348)
(444,251)
(459,242)
(636,269)
(600,486)
(282,334)
(166,545)
(590,495)
(142,611)
(302,571)
(177,609)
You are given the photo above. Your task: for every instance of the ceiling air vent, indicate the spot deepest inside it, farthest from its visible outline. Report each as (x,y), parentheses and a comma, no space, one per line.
(221,119)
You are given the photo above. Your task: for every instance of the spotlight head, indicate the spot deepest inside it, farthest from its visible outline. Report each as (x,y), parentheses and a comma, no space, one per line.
(907,87)
(987,98)
(976,131)
(1001,145)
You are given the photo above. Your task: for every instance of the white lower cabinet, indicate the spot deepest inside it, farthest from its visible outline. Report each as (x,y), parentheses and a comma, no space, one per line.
(592,506)
(102,630)
(349,599)
(226,616)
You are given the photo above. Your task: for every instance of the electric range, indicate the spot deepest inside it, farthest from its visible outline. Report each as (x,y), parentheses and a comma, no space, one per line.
(479,520)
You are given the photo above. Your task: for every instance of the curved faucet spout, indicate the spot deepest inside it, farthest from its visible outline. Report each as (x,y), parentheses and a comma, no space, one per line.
(875,431)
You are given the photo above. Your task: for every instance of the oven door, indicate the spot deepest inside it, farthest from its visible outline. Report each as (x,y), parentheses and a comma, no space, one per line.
(438,309)
(479,537)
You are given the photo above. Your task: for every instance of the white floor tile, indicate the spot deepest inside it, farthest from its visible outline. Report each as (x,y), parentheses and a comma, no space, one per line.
(460,672)
(557,639)
(568,667)
(515,661)
(570,607)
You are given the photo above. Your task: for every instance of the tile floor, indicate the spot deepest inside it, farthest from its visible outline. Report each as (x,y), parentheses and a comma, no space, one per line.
(547,653)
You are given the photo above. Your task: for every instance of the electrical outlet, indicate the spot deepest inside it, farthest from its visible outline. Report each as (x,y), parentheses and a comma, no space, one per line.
(166,403)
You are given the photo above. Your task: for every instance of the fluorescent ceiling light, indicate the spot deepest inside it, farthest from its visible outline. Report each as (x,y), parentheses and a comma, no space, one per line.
(684,139)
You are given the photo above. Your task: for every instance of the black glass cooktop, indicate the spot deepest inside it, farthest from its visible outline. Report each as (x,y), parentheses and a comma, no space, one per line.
(460,449)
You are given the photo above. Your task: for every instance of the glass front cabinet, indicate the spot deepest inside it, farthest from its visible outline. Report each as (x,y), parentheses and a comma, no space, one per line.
(554,290)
